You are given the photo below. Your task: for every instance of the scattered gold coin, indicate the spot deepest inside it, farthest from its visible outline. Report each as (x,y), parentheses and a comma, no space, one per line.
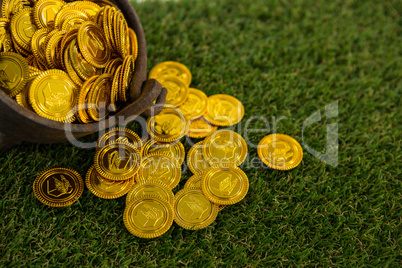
(58,187)
(148,216)
(192,210)
(225,148)
(175,149)
(195,105)
(161,168)
(280,151)
(225,186)
(171,69)
(224,110)
(200,128)
(196,161)
(121,135)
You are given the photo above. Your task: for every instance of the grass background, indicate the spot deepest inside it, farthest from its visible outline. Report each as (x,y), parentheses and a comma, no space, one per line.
(280,58)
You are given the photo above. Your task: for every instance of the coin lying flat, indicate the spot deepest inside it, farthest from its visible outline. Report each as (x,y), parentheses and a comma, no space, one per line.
(148,216)
(14,73)
(280,151)
(104,188)
(119,134)
(195,159)
(175,149)
(168,126)
(53,95)
(200,128)
(58,187)
(117,161)
(45,12)
(195,105)
(22,29)
(177,91)
(225,148)
(224,110)
(161,168)
(225,186)
(192,210)
(151,187)
(171,69)
(194,181)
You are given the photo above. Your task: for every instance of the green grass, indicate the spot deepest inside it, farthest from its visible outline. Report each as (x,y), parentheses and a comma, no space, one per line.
(279,58)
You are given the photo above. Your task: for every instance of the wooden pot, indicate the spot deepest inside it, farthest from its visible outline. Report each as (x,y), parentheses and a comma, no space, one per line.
(19,124)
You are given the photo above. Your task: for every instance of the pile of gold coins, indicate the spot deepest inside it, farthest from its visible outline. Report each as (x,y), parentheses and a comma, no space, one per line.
(148,173)
(66,61)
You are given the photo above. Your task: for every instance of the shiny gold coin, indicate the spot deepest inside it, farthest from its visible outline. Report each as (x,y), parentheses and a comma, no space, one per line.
(107,189)
(22,29)
(106,26)
(194,181)
(148,216)
(195,105)
(10,7)
(121,135)
(122,47)
(14,73)
(53,95)
(154,187)
(171,69)
(114,94)
(177,91)
(44,12)
(52,50)
(99,97)
(168,126)
(200,128)
(192,210)
(225,186)
(70,69)
(83,68)
(83,99)
(67,11)
(126,75)
(224,110)
(37,42)
(132,44)
(195,159)
(175,149)
(6,43)
(92,44)
(225,148)
(58,187)
(117,161)
(279,151)
(112,65)
(161,168)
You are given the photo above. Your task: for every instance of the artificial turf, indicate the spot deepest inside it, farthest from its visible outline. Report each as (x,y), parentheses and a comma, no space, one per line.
(280,58)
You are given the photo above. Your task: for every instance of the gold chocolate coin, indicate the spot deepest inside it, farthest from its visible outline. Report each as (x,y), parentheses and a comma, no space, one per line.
(92,44)
(152,187)
(132,44)
(195,105)
(195,159)
(200,128)
(225,148)
(175,149)
(224,110)
(192,210)
(279,151)
(53,95)
(58,187)
(171,69)
(168,126)
(161,168)
(194,181)
(22,29)
(104,188)
(121,135)
(99,97)
(10,7)
(148,216)
(14,73)
(45,12)
(117,161)
(177,91)
(225,186)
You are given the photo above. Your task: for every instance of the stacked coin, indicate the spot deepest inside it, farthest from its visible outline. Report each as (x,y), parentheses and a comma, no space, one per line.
(66,61)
